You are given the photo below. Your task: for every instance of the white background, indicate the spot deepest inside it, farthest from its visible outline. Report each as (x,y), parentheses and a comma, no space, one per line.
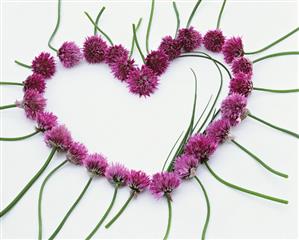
(139,133)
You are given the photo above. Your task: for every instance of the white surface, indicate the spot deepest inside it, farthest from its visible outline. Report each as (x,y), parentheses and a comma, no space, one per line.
(139,133)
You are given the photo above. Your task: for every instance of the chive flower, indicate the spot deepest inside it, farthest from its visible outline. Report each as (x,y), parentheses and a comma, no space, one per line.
(44,64)
(94,49)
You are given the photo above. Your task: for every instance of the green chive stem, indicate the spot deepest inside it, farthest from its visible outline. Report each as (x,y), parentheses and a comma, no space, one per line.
(19,138)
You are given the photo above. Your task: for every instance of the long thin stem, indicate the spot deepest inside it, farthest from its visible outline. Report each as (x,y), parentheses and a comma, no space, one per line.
(203,235)
(259,160)
(8,106)
(276,90)
(12,83)
(193,13)
(57,230)
(274,43)
(121,210)
(40,197)
(56,27)
(149,25)
(177,15)
(133,40)
(276,55)
(28,185)
(23,64)
(105,215)
(201,115)
(95,30)
(296,135)
(261,195)
(137,43)
(220,14)
(169,217)
(19,138)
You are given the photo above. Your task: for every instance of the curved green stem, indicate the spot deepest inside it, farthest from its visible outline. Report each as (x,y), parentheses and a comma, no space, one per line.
(201,115)
(177,15)
(105,215)
(276,55)
(149,25)
(56,27)
(95,30)
(12,83)
(133,40)
(121,210)
(261,195)
(137,43)
(274,43)
(40,197)
(277,90)
(296,135)
(28,185)
(23,64)
(19,138)
(203,235)
(169,217)
(193,13)
(8,106)
(220,14)
(259,160)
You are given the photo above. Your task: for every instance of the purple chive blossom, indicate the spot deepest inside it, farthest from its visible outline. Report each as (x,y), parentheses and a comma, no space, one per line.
(242,65)
(164,183)
(94,49)
(122,69)
(201,147)
(46,121)
(232,49)
(35,81)
(44,64)
(185,166)
(171,47)
(157,61)
(214,40)
(69,54)
(76,153)
(58,137)
(233,108)
(189,39)
(117,174)
(138,181)
(242,84)
(96,164)
(219,130)
(142,81)
(115,54)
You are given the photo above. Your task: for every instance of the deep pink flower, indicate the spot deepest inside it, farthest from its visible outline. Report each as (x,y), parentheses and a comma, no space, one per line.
(96,164)
(69,54)
(58,137)
(232,48)
(76,153)
(219,130)
(46,121)
(171,47)
(189,39)
(242,65)
(117,174)
(44,64)
(214,40)
(138,181)
(200,146)
(94,49)
(157,61)
(164,183)
(142,81)
(35,81)
(233,108)
(241,83)
(122,69)
(115,54)
(185,166)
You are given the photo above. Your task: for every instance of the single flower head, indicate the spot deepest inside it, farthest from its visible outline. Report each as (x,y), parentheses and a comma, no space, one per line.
(242,84)
(157,61)
(46,121)
(138,181)
(94,49)
(164,183)
(171,47)
(96,164)
(117,174)
(58,137)
(44,64)
(76,153)
(185,166)
(233,108)
(242,65)
(35,81)
(142,81)
(116,53)
(214,40)
(219,130)
(122,69)
(189,39)
(232,49)
(69,54)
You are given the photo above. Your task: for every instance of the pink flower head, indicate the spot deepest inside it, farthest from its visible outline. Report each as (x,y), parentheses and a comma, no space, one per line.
(96,164)
(164,183)
(232,49)
(94,49)
(117,174)
(189,39)
(33,103)
(242,65)
(116,54)
(142,81)
(138,181)
(76,153)
(219,130)
(58,137)
(122,69)
(171,47)
(214,40)
(185,166)
(242,84)
(35,81)
(46,121)
(200,146)
(44,64)
(233,108)
(157,61)
(69,54)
